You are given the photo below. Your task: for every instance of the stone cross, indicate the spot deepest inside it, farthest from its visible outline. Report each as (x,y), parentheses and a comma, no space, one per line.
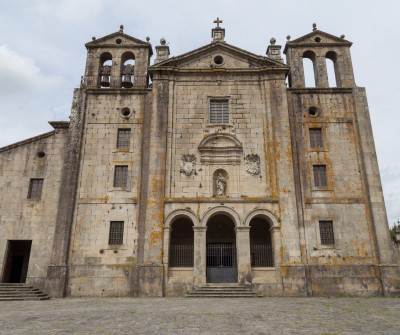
(218,21)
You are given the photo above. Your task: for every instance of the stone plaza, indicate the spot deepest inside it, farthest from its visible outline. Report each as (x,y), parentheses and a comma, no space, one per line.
(106,316)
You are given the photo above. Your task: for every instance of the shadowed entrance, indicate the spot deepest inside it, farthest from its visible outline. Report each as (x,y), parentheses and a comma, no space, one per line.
(221,250)
(17,261)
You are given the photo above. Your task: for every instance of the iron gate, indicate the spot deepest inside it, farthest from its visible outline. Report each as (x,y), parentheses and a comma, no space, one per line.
(221,263)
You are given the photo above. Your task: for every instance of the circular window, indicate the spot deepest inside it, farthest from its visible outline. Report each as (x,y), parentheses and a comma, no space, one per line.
(317,39)
(118,41)
(218,60)
(125,112)
(40,154)
(313,111)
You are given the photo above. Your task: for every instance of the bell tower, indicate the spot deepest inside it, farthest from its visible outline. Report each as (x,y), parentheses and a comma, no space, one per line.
(117,61)
(319,47)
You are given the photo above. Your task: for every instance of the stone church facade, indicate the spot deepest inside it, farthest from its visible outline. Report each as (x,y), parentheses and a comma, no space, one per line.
(215,166)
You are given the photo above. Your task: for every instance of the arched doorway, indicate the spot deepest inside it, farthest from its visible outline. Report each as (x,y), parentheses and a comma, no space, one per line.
(181,243)
(261,253)
(221,250)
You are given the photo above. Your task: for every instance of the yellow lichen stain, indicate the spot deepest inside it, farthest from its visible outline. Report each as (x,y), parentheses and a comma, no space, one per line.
(105,199)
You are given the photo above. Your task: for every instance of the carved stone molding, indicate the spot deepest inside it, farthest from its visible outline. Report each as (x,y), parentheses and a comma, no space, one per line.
(188,164)
(252,164)
(220,148)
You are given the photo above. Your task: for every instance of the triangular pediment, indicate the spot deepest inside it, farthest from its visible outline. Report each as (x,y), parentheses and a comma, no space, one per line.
(228,56)
(117,39)
(318,37)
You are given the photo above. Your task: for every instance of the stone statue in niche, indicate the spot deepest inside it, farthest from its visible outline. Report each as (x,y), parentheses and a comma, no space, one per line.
(220,183)
(188,164)
(252,164)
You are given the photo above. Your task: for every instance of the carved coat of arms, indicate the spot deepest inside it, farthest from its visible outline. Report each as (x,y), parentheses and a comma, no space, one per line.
(188,164)
(252,164)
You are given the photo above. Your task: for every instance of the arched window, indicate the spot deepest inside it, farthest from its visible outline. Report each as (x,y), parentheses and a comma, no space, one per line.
(309,68)
(331,67)
(181,245)
(260,243)
(105,69)
(127,69)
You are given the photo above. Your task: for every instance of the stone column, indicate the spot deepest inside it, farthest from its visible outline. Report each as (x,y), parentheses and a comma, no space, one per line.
(199,254)
(243,255)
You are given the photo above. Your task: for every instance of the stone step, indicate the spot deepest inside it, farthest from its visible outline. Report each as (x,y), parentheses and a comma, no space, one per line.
(22,289)
(16,291)
(8,294)
(222,296)
(221,291)
(13,284)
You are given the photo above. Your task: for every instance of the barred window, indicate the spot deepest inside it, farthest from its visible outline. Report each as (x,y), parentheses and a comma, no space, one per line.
(121,176)
(326,232)
(35,189)
(320,176)
(315,138)
(124,136)
(116,236)
(219,111)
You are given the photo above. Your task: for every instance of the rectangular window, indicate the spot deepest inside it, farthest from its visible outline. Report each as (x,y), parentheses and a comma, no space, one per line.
(124,137)
(326,232)
(219,111)
(121,176)
(35,189)
(116,236)
(320,176)
(315,138)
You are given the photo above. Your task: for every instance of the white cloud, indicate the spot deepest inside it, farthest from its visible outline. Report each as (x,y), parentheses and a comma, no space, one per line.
(20,74)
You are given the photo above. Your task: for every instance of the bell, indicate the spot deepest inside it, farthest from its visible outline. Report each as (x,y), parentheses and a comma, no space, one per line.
(105,81)
(126,81)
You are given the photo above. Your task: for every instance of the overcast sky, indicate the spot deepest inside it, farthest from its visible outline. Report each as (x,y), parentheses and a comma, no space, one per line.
(42,53)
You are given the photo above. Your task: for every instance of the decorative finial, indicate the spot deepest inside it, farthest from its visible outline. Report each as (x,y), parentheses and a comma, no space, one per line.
(218,21)
(288,37)
(314,26)
(93,38)
(272,41)
(342,36)
(148,39)
(163,41)
(121,28)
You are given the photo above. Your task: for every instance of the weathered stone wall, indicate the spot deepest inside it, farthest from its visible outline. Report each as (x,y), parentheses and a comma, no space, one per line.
(31,219)
(95,267)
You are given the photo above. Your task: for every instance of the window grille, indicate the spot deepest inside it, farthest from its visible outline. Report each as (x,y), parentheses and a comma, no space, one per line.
(181,255)
(219,111)
(116,236)
(121,176)
(261,255)
(35,189)
(124,136)
(326,232)
(320,176)
(315,138)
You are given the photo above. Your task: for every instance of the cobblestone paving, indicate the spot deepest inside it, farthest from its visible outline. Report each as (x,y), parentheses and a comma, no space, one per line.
(202,316)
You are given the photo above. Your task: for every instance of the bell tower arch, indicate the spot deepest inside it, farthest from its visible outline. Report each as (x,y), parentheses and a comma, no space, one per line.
(117,61)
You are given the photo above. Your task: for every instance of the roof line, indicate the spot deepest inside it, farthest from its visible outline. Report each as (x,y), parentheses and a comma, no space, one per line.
(28,140)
